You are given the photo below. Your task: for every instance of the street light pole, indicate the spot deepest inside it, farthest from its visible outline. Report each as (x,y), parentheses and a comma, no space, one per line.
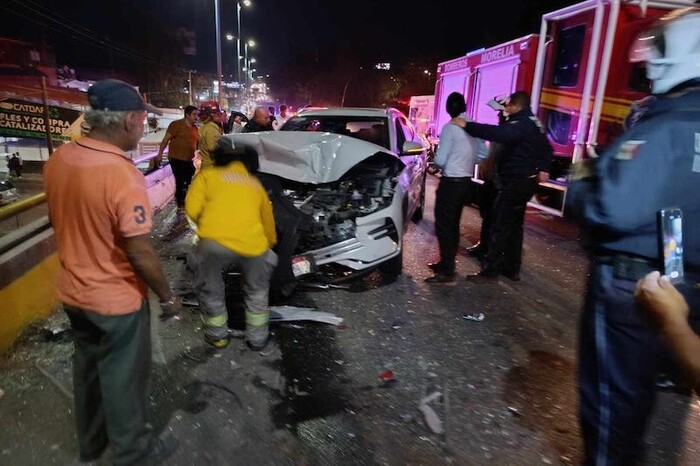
(245,62)
(189,81)
(218,49)
(238,43)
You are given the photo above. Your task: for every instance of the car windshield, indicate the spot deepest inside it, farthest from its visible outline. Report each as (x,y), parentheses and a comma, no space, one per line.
(370,129)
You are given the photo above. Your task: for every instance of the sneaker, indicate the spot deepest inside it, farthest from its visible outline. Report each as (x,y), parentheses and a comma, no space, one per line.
(481,278)
(442,279)
(161,448)
(220,343)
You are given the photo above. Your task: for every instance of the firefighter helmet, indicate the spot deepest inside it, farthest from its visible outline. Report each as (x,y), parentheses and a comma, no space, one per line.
(209,108)
(671,50)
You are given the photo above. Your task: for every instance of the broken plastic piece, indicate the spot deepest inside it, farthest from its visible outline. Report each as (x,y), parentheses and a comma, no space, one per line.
(386,375)
(477,317)
(290,313)
(56,334)
(431,419)
(430,398)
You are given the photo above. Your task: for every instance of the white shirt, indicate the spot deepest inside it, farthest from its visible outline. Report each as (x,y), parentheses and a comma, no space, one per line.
(279,121)
(457,152)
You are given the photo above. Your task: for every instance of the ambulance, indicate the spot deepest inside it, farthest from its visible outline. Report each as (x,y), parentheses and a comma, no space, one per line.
(579,76)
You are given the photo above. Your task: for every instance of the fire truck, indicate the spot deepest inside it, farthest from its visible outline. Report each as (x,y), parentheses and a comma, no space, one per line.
(582,84)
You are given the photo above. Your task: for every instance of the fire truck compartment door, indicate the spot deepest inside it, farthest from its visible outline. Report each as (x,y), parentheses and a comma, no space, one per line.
(494,80)
(454,82)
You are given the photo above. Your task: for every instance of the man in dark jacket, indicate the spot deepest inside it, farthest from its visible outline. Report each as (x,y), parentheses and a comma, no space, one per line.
(260,121)
(652,166)
(525,157)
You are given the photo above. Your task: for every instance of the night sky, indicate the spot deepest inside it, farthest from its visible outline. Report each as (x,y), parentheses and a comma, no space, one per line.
(130,33)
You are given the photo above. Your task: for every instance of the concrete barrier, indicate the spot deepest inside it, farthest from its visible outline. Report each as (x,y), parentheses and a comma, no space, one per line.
(29,266)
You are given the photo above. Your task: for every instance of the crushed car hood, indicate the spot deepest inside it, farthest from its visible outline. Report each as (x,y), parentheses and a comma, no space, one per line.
(308,157)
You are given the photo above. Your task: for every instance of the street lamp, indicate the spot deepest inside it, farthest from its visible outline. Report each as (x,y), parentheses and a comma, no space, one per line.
(238,41)
(250,67)
(250,43)
(219,74)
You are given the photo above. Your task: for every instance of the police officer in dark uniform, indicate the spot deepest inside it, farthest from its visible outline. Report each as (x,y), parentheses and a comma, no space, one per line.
(487,171)
(524,158)
(654,165)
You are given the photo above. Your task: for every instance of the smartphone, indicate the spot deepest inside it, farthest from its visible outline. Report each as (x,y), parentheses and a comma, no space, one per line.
(671,242)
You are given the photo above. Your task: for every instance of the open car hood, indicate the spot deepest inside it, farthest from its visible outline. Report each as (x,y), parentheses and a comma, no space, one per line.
(308,157)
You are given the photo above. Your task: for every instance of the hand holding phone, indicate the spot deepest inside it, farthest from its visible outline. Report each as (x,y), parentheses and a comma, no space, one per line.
(671,243)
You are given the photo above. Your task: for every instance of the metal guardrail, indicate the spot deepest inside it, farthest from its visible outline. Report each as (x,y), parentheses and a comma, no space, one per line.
(22,205)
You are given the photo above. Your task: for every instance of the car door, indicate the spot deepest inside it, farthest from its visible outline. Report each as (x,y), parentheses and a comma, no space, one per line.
(415,163)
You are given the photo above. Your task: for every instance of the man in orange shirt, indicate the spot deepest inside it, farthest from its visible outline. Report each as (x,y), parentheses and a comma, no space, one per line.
(183,137)
(101,216)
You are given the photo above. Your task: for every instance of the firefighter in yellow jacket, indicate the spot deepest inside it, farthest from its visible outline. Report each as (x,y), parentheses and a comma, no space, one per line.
(235,226)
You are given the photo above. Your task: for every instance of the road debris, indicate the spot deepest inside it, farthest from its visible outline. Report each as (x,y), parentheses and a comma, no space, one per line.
(292,313)
(513,411)
(322,286)
(56,383)
(58,334)
(432,421)
(476,317)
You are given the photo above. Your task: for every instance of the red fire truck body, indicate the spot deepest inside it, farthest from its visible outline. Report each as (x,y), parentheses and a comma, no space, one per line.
(582,83)
(482,75)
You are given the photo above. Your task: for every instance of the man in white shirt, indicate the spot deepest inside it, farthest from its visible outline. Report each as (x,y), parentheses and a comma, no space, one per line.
(281,119)
(456,157)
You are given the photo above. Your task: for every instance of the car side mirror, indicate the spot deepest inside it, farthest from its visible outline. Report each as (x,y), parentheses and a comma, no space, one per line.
(412,148)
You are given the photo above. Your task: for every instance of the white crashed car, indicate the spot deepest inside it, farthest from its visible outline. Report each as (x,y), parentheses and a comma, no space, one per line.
(343,183)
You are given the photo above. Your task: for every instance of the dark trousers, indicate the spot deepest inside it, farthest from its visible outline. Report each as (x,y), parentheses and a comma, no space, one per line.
(451,196)
(506,229)
(183,171)
(488,196)
(619,356)
(111,367)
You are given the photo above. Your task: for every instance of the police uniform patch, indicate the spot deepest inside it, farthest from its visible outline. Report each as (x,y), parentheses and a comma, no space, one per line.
(628,150)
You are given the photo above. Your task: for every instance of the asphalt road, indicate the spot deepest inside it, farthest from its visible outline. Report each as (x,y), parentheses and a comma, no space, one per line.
(507,383)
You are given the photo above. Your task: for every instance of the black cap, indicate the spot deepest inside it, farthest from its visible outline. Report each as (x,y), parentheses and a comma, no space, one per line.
(117,96)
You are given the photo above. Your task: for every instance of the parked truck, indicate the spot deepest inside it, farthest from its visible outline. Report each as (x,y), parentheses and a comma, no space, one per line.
(579,76)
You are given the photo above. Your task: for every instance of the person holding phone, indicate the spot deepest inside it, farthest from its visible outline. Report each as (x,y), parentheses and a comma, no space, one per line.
(668,310)
(617,199)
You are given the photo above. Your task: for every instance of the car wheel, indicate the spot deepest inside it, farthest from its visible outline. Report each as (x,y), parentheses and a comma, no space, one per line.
(393,266)
(418,214)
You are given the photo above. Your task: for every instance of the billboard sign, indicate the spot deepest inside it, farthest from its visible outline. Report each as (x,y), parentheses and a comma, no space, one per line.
(19,118)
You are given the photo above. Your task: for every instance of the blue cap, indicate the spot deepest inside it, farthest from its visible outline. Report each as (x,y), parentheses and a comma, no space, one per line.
(117,96)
